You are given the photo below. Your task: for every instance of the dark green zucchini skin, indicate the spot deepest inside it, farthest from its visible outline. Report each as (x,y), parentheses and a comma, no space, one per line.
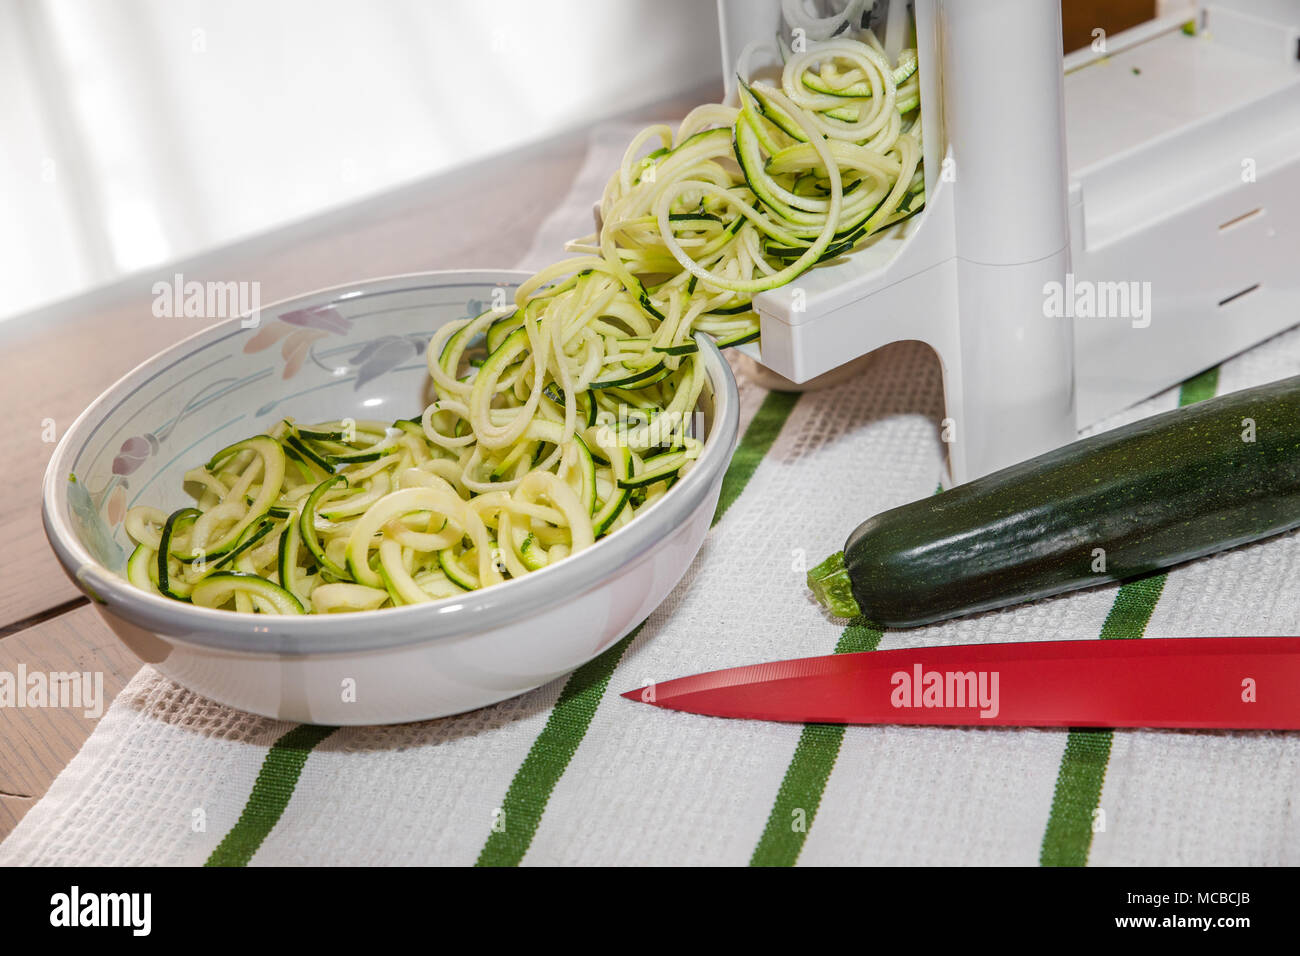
(1151,494)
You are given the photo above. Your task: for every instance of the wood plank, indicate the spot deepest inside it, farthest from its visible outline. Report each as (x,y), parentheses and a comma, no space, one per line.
(37,743)
(58,359)
(13,809)
(1080,17)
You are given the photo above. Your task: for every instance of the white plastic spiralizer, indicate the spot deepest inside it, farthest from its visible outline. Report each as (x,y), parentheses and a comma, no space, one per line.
(1097,227)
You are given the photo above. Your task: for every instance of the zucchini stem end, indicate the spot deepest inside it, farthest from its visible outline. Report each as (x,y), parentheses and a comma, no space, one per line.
(830,585)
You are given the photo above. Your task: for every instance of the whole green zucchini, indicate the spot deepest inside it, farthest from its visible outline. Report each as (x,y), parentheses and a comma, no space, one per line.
(1118,505)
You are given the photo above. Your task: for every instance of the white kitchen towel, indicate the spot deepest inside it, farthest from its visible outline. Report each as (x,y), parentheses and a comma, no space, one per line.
(573,773)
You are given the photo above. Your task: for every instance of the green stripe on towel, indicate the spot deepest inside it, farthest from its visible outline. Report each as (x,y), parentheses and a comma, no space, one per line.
(271,792)
(1083,765)
(535,780)
(530,790)
(1068,838)
(805,779)
(759,435)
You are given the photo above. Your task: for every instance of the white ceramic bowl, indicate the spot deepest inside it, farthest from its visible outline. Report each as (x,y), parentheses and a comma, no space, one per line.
(356,351)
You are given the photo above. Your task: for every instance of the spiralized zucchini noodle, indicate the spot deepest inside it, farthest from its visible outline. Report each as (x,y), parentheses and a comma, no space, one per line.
(560,419)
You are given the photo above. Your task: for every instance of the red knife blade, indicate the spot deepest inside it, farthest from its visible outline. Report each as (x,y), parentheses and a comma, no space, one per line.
(1247,683)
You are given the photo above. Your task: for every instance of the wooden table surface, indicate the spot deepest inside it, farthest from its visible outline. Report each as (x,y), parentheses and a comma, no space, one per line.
(58,359)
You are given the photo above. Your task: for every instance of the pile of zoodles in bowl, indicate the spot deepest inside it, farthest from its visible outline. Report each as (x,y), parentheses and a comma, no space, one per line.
(559,421)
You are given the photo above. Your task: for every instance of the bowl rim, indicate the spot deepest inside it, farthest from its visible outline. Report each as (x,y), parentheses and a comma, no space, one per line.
(459,616)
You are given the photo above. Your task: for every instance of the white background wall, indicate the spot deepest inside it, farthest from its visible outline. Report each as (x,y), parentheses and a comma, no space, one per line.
(137,131)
